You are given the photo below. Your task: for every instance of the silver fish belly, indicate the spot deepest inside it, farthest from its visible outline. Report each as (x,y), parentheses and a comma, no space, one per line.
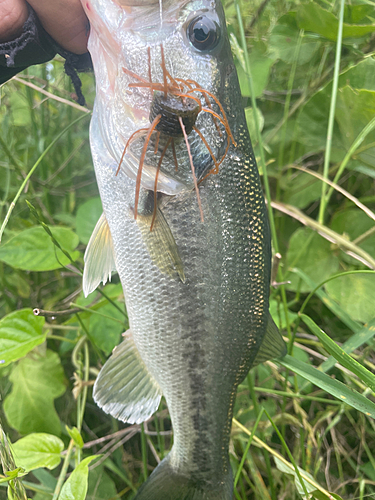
(196,292)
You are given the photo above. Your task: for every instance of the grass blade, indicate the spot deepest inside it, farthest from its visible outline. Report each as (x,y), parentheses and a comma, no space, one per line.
(331,121)
(330,385)
(364,336)
(339,354)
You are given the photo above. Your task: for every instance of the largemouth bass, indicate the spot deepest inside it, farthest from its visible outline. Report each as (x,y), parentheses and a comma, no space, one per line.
(184,225)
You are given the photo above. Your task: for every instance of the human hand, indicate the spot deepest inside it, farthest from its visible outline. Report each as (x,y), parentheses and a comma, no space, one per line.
(64,20)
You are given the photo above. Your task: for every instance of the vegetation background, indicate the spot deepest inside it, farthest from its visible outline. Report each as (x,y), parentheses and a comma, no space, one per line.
(307,74)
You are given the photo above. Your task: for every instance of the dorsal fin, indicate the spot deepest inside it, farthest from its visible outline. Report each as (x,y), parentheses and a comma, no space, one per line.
(273,345)
(125,388)
(99,257)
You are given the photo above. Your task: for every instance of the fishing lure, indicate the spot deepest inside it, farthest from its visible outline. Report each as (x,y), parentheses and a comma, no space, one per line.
(173,114)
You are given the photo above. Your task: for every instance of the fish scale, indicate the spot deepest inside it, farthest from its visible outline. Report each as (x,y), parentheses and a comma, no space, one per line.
(194,335)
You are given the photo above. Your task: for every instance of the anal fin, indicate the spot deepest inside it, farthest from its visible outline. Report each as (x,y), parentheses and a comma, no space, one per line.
(273,345)
(99,257)
(124,387)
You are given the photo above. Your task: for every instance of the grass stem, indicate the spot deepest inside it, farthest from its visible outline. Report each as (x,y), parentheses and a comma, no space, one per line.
(332,111)
(63,471)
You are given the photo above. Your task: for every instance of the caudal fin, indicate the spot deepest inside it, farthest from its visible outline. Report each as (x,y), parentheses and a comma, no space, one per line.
(166,484)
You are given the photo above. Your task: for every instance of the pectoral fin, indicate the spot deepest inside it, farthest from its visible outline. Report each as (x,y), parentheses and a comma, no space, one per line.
(161,245)
(99,257)
(273,345)
(124,388)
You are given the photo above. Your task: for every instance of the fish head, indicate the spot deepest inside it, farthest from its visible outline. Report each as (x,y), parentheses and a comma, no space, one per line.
(143,47)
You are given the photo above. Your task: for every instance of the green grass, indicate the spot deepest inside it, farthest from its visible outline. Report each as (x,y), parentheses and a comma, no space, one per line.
(302,427)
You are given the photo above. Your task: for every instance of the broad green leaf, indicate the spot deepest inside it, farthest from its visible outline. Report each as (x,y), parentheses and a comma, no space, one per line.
(359,76)
(284,38)
(76,436)
(20,332)
(75,487)
(38,450)
(87,216)
(340,355)
(313,254)
(313,118)
(33,250)
(356,295)
(287,470)
(358,166)
(101,486)
(313,123)
(301,189)
(260,68)
(36,383)
(312,17)
(331,304)
(357,13)
(330,385)
(105,332)
(360,106)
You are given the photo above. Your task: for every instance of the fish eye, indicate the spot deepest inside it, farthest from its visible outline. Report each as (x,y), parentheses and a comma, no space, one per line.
(203,33)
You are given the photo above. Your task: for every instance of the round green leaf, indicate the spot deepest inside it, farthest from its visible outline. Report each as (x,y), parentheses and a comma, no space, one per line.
(38,450)
(312,254)
(356,295)
(33,250)
(87,216)
(20,332)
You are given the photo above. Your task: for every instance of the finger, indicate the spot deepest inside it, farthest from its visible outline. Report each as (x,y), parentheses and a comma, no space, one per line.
(65,21)
(13,14)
